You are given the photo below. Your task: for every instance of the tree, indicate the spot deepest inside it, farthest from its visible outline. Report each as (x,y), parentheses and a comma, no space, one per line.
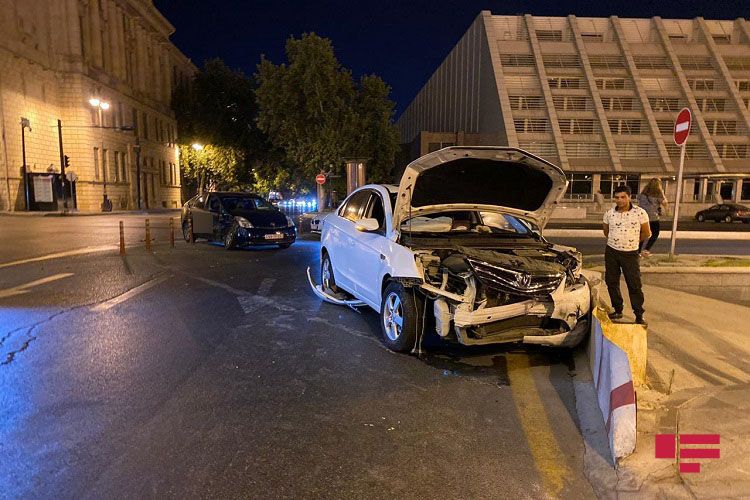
(313,112)
(218,109)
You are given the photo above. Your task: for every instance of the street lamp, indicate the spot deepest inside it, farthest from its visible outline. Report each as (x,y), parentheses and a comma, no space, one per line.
(100,106)
(198,147)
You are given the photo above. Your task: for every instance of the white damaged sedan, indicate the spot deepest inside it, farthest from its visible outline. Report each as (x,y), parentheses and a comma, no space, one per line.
(457,248)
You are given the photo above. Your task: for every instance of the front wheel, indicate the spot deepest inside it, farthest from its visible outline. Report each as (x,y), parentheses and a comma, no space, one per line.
(327,280)
(728,218)
(400,317)
(700,218)
(230,239)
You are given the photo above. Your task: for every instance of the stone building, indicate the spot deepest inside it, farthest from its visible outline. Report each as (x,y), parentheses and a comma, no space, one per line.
(54,58)
(598,97)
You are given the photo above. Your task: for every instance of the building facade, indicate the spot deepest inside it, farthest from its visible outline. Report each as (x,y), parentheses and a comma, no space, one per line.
(54,58)
(598,97)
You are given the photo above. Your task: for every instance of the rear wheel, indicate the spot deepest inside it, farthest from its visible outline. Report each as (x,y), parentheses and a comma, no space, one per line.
(700,218)
(327,279)
(728,218)
(230,239)
(400,317)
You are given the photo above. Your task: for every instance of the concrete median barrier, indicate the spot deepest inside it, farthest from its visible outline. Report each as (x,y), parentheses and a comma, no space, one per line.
(615,389)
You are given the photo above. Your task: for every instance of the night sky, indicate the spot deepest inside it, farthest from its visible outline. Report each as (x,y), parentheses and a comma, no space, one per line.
(401,41)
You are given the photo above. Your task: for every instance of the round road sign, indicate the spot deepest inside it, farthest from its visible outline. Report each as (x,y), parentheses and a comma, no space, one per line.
(320,178)
(682,126)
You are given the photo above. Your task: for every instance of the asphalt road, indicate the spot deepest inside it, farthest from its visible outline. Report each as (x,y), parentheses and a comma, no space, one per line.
(199,372)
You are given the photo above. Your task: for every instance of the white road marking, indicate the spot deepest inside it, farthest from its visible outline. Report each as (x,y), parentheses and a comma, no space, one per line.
(22,289)
(128,295)
(265,286)
(67,253)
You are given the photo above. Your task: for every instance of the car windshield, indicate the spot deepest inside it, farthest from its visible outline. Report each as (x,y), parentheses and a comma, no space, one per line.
(231,203)
(467,222)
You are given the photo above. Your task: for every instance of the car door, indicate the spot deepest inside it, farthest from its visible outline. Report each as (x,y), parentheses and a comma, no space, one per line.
(340,238)
(202,217)
(371,249)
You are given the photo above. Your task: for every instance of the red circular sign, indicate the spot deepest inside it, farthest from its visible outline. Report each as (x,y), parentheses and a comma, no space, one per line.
(320,178)
(682,127)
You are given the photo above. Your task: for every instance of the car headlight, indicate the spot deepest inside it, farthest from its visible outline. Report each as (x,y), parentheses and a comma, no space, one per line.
(243,222)
(289,221)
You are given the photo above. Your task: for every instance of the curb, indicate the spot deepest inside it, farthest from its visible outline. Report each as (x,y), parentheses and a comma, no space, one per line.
(688,235)
(89,214)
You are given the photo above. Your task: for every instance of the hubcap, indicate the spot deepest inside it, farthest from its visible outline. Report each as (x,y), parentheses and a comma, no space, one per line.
(393,318)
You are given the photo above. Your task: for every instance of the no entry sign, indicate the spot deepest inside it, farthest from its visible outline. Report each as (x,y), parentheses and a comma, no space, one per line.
(682,126)
(320,178)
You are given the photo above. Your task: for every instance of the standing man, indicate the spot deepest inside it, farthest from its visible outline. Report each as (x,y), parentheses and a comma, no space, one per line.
(625,227)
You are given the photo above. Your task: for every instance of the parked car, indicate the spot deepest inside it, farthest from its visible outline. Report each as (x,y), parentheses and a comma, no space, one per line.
(727,212)
(237,219)
(457,247)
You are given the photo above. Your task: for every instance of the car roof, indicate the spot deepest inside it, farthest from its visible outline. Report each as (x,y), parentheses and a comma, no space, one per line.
(234,193)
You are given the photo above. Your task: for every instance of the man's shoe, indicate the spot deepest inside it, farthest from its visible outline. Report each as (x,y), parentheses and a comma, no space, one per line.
(640,321)
(615,315)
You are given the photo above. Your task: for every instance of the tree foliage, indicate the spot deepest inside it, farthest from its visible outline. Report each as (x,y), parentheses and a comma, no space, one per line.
(311,109)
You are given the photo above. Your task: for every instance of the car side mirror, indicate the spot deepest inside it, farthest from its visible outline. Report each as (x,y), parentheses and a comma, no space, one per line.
(367,225)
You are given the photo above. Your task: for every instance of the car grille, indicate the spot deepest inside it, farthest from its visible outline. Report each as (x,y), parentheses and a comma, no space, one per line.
(517,282)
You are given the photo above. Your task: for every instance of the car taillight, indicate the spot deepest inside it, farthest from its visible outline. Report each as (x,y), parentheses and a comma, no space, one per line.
(743,214)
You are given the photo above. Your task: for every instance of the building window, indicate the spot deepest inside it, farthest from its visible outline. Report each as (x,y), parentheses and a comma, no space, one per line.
(580,186)
(742,85)
(738,63)
(123,168)
(634,150)
(577,126)
(543,149)
(664,103)
(609,182)
(695,62)
(732,151)
(117,166)
(625,126)
(549,35)
(526,102)
(144,121)
(586,150)
(709,104)
(606,62)
(517,60)
(745,195)
(530,125)
(651,62)
(722,39)
(564,83)
(561,61)
(701,84)
(570,103)
(96,164)
(610,83)
(105,164)
(617,103)
(721,127)
(592,37)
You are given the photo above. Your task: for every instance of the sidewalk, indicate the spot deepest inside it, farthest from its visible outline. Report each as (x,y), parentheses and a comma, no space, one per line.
(76,213)
(698,382)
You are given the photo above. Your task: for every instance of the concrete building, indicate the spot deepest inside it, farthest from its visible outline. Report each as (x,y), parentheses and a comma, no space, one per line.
(55,57)
(598,97)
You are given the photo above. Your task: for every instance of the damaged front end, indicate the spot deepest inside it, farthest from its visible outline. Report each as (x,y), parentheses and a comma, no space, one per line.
(528,294)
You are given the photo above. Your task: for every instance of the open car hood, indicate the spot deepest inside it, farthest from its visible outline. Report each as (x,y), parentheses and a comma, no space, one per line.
(488,179)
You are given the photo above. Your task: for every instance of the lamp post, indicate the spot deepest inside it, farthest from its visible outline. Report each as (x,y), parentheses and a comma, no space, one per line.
(25,124)
(102,106)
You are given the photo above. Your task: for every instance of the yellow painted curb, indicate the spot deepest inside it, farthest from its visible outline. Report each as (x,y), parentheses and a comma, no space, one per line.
(632,339)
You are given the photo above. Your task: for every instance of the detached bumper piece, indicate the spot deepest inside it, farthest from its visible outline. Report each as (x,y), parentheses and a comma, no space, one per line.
(318,290)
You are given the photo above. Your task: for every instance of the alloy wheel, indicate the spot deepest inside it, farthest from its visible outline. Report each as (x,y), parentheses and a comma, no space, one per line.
(393,316)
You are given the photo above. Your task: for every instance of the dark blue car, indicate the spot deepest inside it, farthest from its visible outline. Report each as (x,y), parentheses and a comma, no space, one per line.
(237,219)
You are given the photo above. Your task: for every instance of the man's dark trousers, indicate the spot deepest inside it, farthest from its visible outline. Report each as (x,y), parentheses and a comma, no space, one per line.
(614,261)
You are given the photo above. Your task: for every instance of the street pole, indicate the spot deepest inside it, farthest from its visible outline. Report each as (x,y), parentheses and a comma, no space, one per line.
(62,165)
(137,149)
(104,162)
(676,214)
(24,124)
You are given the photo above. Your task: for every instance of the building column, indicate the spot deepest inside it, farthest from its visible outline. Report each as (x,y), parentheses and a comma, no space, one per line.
(642,95)
(547,93)
(688,94)
(738,190)
(600,114)
(95,33)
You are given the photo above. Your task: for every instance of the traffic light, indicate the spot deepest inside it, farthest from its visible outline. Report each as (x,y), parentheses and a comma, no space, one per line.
(67,161)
